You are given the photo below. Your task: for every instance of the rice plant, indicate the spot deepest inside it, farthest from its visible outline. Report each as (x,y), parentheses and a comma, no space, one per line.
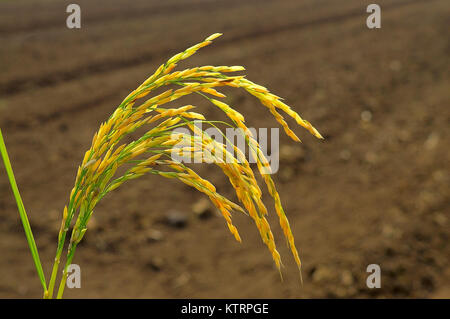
(151,153)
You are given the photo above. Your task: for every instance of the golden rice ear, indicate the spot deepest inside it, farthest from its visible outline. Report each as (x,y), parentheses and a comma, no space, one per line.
(96,176)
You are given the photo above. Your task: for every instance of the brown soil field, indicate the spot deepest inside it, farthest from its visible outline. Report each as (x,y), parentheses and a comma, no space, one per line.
(375,191)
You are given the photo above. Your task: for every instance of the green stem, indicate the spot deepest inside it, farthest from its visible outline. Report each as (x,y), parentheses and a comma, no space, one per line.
(22,213)
(51,284)
(62,284)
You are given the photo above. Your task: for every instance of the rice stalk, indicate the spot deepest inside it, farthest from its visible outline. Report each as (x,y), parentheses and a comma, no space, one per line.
(151,152)
(22,213)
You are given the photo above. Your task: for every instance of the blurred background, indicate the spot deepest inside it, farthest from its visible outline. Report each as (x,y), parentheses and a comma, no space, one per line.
(375,191)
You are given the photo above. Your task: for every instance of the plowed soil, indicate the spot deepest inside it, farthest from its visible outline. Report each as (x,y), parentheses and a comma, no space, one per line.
(375,191)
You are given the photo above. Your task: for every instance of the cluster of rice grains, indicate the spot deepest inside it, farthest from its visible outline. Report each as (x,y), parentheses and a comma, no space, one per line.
(97,174)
